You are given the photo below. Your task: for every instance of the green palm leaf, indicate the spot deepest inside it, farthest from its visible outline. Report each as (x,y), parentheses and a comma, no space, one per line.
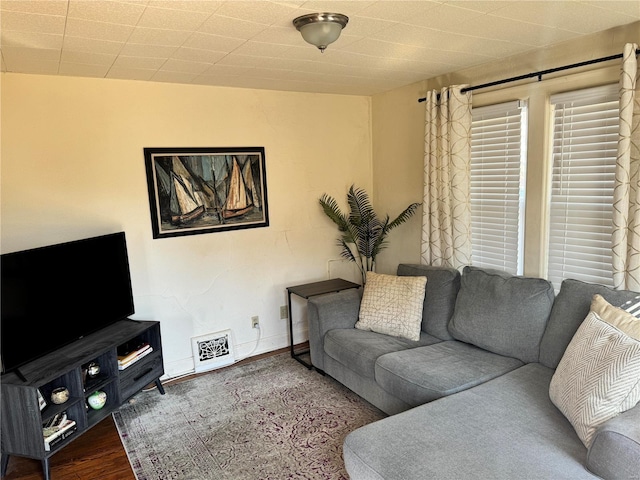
(363,233)
(404,216)
(332,210)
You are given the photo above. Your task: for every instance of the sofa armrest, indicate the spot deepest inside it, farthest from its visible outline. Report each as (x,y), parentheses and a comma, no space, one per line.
(615,451)
(328,312)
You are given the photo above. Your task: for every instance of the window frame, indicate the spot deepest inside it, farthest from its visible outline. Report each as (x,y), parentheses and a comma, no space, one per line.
(501,131)
(592,162)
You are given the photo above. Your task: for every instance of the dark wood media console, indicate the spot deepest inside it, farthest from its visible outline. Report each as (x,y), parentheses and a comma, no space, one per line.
(22,419)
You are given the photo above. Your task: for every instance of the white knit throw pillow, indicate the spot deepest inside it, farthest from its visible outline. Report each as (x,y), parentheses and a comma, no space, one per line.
(392,305)
(599,374)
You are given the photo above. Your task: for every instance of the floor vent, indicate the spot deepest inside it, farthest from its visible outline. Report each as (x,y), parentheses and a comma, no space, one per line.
(213,350)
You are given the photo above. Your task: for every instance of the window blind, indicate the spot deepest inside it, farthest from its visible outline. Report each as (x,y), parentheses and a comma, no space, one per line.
(585,137)
(498,166)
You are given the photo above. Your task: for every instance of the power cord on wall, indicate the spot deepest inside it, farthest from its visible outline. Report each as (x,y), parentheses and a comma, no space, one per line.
(257,326)
(186,375)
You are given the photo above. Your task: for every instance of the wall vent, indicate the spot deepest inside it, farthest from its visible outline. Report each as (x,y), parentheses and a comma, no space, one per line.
(213,350)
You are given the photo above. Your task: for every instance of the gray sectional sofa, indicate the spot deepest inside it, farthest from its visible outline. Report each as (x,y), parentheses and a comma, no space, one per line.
(470,398)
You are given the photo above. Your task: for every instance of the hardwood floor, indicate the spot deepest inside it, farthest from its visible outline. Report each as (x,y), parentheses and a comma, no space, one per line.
(97,454)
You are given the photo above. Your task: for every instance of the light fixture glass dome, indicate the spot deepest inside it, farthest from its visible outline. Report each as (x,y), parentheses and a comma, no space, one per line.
(321,29)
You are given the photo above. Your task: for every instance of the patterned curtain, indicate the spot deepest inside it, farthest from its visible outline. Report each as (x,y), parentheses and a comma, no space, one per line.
(446,218)
(626,194)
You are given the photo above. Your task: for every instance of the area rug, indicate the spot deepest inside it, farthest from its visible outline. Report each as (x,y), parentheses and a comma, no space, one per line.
(268,419)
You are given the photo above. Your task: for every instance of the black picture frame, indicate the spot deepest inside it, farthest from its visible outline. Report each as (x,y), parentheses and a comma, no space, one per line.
(194,190)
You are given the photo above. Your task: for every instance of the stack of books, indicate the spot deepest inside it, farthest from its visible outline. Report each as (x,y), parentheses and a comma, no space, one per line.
(57,429)
(127,359)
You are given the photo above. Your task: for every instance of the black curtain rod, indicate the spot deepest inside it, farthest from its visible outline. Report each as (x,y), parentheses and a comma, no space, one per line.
(539,74)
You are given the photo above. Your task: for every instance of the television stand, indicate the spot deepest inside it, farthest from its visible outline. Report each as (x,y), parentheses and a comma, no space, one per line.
(23,419)
(20,375)
(159,386)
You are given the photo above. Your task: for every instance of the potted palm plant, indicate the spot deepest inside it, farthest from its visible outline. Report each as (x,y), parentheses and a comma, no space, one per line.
(363,233)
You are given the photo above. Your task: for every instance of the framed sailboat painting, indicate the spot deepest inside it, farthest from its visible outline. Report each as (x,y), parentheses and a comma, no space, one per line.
(205,190)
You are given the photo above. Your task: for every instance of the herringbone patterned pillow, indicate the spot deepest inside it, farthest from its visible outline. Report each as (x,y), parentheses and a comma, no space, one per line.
(598,376)
(392,305)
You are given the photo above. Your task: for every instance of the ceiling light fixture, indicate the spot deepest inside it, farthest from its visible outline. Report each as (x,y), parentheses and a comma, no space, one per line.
(321,29)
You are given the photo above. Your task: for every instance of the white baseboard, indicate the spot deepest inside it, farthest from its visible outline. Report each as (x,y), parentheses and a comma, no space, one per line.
(185,366)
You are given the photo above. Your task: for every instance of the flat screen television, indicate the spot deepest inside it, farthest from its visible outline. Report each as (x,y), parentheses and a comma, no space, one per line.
(54,295)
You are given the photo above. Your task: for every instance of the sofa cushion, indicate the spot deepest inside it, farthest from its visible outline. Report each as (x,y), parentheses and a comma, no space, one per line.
(328,312)
(615,450)
(598,376)
(420,375)
(366,387)
(358,350)
(440,295)
(502,313)
(506,429)
(392,305)
(569,310)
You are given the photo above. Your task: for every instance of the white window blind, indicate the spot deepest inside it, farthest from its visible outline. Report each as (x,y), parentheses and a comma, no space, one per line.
(585,136)
(498,166)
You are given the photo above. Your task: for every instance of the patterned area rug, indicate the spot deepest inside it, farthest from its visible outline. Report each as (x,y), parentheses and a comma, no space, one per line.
(269,419)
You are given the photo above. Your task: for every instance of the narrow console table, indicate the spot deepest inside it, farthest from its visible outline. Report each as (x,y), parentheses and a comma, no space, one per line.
(311,290)
(23,419)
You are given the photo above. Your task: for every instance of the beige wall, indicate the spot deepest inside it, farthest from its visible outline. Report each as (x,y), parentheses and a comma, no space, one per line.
(73,167)
(398,132)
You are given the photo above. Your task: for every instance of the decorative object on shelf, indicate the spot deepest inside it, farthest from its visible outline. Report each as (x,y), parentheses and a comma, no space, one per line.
(42,403)
(97,399)
(321,29)
(57,429)
(127,357)
(60,395)
(205,190)
(363,233)
(62,432)
(54,423)
(93,370)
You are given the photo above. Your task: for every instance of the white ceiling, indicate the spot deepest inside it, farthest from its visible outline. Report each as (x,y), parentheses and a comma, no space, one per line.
(253,44)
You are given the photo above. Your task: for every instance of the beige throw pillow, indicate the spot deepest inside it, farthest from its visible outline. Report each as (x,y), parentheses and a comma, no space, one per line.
(615,316)
(599,374)
(392,305)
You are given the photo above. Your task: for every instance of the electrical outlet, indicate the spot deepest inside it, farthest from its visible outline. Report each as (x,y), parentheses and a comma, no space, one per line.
(284,312)
(255,322)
